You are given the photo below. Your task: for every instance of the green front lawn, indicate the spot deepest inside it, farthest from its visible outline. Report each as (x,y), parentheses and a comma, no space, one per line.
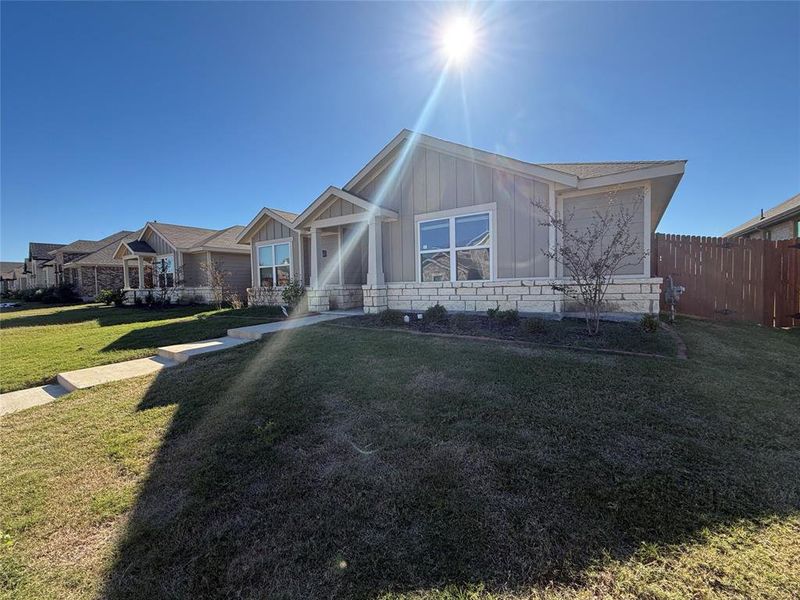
(38,343)
(351,463)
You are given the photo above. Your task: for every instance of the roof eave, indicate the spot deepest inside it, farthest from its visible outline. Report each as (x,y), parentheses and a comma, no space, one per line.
(676,168)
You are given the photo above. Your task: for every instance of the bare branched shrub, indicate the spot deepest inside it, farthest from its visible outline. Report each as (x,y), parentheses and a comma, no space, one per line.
(217,279)
(591,255)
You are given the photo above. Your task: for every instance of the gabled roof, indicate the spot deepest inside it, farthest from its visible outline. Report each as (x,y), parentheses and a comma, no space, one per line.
(224,240)
(104,257)
(776,214)
(334,192)
(570,175)
(6,266)
(89,246)
(41,250)
(282,216)
(181,237)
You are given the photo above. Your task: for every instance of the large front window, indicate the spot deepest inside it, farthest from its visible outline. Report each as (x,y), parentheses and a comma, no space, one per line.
(274,265)
(456,248)
(165,271)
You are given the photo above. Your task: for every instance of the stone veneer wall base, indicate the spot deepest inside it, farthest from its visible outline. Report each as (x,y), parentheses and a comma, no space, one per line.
(630,295)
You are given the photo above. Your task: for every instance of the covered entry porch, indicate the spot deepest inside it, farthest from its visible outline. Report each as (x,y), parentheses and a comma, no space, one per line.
(342,249)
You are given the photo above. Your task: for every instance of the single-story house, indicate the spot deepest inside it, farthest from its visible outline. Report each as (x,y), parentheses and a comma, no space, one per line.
(163,255)
(86,279)
(781,222)
(8,275)
(39,269)
(429,221)
(99,270)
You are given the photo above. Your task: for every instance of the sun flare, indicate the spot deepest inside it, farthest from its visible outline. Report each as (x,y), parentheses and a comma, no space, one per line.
(458,39)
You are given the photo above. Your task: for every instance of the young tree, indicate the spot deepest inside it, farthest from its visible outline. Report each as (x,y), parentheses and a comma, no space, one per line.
(217,279)
(593,254)
(164,280)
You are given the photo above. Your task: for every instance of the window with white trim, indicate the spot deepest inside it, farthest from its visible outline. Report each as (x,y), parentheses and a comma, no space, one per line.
(165,270)
(456,248)
(274,264)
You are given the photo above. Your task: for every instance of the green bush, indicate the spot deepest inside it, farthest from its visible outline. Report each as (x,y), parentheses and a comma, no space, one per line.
(649,323)
(533,325)
(137,301)
(293,293)
(436,314)
(109,297)
(391,317)
(506,317)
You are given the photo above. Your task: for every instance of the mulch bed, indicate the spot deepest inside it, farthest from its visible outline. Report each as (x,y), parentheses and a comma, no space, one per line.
(625,337)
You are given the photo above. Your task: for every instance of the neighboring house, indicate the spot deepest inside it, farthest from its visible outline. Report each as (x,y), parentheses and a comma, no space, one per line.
(8,275)
(65,257)
(177,255)
(39,268)
(429,221)
(99,270)
(780,222)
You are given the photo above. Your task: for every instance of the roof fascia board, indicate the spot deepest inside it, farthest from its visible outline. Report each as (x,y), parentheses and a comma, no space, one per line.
(676,168)
(376,160)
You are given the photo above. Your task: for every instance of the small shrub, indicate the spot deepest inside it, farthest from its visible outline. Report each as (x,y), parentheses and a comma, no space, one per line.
(149,299)
(505,317)
(649,323)
(137,301)
(534,325)
(235,301)
(391,317)
(436,314)
(109,297)
(293,293)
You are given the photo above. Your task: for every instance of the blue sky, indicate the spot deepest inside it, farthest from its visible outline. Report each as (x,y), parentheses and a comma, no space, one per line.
(118,113)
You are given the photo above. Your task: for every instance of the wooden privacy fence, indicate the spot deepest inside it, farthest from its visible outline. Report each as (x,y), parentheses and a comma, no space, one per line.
(734,278)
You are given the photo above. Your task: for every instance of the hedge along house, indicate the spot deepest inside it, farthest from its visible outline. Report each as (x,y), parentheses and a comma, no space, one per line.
(175,257)
(428,221)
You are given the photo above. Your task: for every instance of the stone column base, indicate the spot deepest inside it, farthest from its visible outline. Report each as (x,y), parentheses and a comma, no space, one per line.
(318,300)
(375,298)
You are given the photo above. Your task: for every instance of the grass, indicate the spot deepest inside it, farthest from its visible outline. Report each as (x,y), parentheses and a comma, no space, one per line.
(368,464)
(39,342)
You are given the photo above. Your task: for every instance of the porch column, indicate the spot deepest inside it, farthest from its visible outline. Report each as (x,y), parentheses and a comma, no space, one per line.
(125,277)
(375,253)
(141,272)
(315,242)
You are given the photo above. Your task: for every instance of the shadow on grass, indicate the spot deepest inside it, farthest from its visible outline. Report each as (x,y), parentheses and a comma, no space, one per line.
(103,315)
(351,464)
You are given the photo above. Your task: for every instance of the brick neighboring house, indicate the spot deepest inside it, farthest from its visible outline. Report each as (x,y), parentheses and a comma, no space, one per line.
(98,270)
(8,275)
(39,269)
(67,269)
(781,222)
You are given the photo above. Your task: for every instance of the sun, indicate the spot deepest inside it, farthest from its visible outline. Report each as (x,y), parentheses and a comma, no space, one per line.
(458,39)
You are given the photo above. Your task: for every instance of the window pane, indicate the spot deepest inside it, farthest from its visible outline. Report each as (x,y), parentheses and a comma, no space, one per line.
(282,254)
(435,266)
(472,264)
(265,276)
(169,264)
(170,280)
(283,275)
(434,235)
(472,230)
(265,256)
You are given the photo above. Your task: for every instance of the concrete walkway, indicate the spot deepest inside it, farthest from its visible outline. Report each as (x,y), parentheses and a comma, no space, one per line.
(168,356)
